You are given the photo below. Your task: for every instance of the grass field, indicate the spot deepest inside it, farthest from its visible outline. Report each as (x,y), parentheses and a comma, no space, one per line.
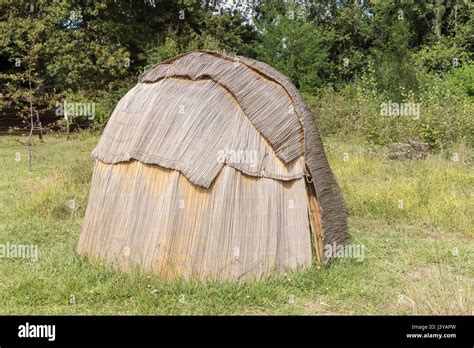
(414,218)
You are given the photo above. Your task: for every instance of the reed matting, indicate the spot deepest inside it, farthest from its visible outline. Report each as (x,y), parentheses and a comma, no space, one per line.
(240,228)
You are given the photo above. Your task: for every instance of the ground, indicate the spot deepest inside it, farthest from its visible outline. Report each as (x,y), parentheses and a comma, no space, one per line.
(413,218)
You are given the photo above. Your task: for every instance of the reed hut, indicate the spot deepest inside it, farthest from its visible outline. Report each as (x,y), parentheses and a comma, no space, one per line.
(211,167)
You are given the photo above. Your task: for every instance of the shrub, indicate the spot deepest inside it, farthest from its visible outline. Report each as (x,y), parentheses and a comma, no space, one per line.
(445,110)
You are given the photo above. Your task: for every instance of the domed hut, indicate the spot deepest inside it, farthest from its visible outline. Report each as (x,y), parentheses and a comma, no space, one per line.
(211,167)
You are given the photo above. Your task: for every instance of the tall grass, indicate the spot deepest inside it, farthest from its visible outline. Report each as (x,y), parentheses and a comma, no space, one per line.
(436,191)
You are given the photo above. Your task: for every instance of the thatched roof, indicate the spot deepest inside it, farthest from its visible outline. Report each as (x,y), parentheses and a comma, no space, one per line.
(192,93)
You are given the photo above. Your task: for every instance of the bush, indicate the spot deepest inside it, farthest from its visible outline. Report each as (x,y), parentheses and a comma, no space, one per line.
(445,110)
(462,80)
(441,57)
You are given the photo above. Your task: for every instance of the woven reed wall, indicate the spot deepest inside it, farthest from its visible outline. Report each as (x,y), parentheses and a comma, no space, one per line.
(241,228)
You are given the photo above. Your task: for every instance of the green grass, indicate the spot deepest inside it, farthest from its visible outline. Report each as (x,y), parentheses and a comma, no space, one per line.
(414,218)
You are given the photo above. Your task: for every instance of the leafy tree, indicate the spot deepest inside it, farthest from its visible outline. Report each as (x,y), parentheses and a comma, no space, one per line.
(293,45)
(94,48)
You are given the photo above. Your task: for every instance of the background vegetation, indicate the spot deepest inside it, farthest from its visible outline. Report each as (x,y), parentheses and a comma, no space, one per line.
(348,57)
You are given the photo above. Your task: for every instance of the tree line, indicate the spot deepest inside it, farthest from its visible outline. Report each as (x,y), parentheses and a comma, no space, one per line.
(92,51)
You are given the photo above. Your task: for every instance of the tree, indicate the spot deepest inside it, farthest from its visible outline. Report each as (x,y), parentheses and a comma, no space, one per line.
(296,47)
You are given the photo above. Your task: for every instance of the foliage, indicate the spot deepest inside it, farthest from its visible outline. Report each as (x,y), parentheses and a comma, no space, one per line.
(74,47)
(461,80)
(294,46)
(445,111)
(348,57)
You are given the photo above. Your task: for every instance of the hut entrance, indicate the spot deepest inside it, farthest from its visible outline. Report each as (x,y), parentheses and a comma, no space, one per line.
(314,213)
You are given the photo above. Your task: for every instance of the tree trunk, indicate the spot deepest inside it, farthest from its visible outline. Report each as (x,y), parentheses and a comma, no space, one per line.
(439,12)
(40,127)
